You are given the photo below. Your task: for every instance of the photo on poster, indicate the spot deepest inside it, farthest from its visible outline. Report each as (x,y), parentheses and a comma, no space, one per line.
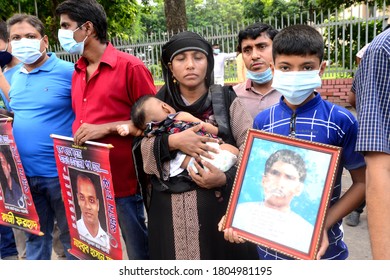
(90,208)
(12,191)
(282,191)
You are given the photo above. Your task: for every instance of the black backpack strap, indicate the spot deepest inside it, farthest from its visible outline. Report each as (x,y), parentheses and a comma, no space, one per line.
(222,98)
(144,185)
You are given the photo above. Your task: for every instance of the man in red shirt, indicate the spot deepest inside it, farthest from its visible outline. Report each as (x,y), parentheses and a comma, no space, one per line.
(105,84)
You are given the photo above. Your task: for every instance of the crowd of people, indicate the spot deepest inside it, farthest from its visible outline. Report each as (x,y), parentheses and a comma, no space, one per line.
(107,96)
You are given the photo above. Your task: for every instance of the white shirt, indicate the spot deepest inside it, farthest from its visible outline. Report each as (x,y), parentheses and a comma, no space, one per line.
(219,63)
(362,51)
(286,228)
(101,238)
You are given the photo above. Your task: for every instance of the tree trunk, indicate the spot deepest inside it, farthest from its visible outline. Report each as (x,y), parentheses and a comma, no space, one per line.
(175,14)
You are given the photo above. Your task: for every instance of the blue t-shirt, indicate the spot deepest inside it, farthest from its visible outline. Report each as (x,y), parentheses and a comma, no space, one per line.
(41,102)
(8,75)
(319,121)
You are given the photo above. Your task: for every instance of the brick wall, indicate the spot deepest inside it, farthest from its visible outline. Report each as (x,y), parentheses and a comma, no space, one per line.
(335,91)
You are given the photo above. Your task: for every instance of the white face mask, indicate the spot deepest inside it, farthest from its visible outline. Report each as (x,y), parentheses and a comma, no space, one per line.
(26,50)
(68,43)
(296,86)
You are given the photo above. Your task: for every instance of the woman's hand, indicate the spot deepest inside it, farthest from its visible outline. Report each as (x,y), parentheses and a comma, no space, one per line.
(208,178)
(191,143)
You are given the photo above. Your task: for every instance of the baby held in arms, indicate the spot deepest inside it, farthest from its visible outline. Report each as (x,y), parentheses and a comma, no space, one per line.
(151,117)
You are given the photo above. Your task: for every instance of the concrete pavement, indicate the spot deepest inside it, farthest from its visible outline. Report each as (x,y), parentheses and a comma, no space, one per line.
(356,238)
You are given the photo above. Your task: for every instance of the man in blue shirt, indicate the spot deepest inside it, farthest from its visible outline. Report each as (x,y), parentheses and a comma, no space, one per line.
(41,102)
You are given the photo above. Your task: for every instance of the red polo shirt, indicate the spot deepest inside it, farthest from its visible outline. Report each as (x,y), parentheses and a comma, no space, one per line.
(107,97)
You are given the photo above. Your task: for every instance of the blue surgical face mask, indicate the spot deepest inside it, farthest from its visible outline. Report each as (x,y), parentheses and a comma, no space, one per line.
(26,50)
(259,77)
(68,43)
(216,51)
(296,86)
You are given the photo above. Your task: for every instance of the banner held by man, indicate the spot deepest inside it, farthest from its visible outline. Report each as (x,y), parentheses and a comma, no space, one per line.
(16,204)
(88,194)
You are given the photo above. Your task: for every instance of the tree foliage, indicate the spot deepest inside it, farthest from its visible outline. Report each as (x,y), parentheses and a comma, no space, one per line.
(130,18)
(253,9)
(122,14)
(336,4)
(339,40)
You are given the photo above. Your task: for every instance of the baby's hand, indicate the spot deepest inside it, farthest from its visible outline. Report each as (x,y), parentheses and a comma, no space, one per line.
(123,129)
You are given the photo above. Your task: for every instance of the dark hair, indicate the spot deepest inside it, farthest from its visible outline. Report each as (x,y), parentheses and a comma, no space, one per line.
(138,111)
(3,31)
(30,19)
(255,30)
(290,157)
(300,40)
(85,177)
(82,11)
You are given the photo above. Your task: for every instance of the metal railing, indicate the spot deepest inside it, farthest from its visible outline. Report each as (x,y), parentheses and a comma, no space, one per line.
(344,34)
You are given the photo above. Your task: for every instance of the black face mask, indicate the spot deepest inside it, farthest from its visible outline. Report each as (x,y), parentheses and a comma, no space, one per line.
(5,58)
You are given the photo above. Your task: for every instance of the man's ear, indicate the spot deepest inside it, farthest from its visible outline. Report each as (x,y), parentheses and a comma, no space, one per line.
(170,66)
(46,41)
(322,68)
(89,28)
(272,66)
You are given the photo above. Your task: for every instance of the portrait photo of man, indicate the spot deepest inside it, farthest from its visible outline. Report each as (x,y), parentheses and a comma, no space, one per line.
(9,180)
(273,218)
(88,193)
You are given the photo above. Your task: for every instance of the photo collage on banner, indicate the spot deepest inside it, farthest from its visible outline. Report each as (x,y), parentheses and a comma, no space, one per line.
(16,203)
(88,194)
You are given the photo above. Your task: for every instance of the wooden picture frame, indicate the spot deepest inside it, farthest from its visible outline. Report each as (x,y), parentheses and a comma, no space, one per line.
(281,193)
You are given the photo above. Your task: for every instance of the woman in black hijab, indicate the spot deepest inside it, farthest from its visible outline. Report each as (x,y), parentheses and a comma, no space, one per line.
(184,210)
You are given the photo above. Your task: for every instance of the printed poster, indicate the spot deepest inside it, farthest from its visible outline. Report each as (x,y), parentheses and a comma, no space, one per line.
(16,205)
(88,194)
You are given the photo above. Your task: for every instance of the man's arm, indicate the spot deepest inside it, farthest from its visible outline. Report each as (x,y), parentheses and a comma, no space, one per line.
(378,202)
(4,85)
(351,199)
(89,131)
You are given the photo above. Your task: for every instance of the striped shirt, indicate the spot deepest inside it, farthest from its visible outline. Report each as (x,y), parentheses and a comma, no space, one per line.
(323,122)
(372,88)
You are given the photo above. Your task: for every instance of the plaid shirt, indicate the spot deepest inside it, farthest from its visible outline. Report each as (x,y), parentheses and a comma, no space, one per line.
(372,88)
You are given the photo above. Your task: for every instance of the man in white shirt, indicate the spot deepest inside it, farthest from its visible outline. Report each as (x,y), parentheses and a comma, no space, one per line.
(219,64)
(89,225)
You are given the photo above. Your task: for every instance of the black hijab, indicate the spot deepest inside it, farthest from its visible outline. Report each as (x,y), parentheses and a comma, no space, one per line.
(170,93)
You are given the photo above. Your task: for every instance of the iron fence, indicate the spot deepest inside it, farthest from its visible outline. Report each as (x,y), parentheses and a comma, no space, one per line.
(344,34)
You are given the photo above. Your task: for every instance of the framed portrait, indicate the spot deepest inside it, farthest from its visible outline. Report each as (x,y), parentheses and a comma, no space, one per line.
(281,193)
